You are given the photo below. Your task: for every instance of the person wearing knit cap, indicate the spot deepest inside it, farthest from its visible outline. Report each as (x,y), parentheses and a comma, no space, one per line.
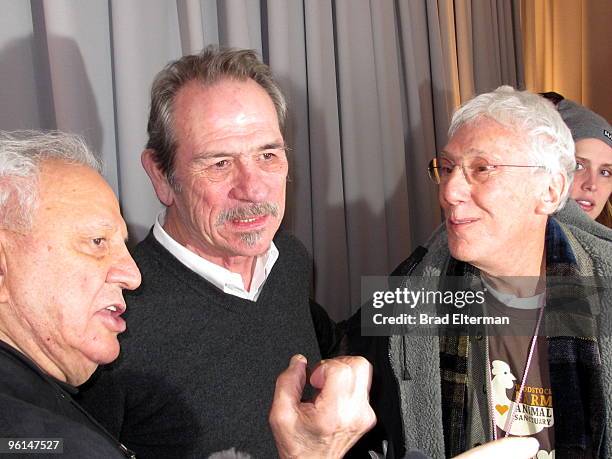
(592,187)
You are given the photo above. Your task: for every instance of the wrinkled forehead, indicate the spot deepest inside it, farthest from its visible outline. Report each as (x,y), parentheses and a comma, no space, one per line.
(73,195)
(228,115)
(227,102)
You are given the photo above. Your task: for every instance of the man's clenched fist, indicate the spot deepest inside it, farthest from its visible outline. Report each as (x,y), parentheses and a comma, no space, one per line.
(338,416)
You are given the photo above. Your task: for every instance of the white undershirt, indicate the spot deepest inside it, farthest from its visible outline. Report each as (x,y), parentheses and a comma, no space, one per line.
(513,301)
(224,279)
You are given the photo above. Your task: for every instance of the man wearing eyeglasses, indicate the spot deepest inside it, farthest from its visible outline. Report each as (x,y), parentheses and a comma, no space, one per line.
(503,179)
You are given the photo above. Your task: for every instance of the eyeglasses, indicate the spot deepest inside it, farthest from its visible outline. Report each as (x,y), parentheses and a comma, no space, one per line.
(477,171)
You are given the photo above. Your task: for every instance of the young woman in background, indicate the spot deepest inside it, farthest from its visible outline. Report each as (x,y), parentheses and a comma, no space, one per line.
(592,188)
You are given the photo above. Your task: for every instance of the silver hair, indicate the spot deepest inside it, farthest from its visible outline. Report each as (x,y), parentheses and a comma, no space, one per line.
(21,156)
(549,140)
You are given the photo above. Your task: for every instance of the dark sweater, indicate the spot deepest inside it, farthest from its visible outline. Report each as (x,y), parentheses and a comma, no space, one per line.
(35,405)
(197,367)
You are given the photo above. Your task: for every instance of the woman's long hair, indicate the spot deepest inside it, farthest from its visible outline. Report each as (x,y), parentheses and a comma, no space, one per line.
(605,217)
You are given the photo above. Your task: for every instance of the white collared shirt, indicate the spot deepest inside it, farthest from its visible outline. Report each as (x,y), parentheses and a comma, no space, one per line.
(225,280)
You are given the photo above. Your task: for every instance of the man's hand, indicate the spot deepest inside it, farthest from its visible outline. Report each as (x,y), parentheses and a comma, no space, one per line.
(330,424)
(506,448)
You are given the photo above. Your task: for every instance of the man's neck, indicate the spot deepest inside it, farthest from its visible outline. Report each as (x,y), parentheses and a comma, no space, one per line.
(520,272)
(244,266)
(34,353)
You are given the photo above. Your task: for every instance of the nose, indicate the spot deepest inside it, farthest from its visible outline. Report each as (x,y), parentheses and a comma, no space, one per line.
(590,181)
(124,271)
(455,189)
(249,184)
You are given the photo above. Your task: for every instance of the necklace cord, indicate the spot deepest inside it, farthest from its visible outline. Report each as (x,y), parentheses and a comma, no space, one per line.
(517,400)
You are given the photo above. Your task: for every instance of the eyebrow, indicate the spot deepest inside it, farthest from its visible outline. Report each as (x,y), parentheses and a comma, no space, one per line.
(273,146)
(99,225)
(224,154)
(585,160)
(471,153)
(94,227)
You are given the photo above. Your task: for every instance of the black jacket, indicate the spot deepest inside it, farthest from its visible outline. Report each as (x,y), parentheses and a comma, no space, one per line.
(35,405)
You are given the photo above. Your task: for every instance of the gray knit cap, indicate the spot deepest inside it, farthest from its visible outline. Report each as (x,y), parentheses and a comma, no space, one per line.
(584,123)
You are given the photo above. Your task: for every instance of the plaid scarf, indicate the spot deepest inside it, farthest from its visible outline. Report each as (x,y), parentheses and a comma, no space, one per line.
(574,362)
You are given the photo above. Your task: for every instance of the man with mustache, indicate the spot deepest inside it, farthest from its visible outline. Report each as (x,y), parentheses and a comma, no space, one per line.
(224,301)
(63,267)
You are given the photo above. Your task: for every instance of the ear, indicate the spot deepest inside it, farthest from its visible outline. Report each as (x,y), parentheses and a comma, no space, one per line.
(163,190)
(551,194)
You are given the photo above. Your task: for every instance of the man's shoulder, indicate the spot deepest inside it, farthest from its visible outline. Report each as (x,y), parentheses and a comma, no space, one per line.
(572,216)
(428,259)
(285,239)
(22,419)
(149,247)
(594,238)
(159,268)
(289,246)
(20,416)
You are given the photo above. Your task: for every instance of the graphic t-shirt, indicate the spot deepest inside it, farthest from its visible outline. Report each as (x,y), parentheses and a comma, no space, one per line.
(533,416)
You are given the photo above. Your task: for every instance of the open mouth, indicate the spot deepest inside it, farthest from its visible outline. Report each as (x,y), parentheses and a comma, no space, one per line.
(116,308)
(585,204)
(111,316)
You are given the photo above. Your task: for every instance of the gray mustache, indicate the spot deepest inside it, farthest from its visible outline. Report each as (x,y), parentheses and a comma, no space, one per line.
(249,211)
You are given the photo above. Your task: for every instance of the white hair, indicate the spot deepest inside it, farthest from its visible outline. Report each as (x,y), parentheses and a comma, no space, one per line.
(21,156)
(549,140)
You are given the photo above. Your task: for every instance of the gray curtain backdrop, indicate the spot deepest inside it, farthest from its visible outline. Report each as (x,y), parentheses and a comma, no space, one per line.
(371,85)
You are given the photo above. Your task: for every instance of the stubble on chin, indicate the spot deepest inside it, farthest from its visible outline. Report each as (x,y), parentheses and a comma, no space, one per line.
(251,238)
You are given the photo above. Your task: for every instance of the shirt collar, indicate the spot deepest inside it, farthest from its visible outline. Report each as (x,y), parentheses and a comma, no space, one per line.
(222,278)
